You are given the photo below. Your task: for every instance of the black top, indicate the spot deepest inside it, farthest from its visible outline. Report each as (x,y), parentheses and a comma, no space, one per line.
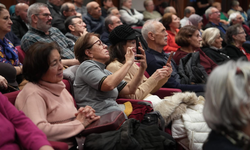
(235,53)
(218,56)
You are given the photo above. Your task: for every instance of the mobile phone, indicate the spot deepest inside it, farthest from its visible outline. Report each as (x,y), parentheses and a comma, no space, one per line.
(170,57)
(137,46)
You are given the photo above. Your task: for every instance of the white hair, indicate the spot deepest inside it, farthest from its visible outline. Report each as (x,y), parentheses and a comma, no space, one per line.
(233,16)
(227,105)
(147,27)
(209,36)
(208,11)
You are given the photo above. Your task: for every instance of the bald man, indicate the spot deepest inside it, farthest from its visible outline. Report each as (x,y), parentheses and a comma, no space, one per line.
(94,19)
(20,21)
(188,11)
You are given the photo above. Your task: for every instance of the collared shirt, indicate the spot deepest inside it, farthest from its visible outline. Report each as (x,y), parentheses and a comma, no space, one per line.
(55,35)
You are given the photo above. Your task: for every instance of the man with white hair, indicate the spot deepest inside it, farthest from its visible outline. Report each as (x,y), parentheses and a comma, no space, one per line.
(155,35)
(94,19)
(40,29)
(150,13)
(188,11)
(213,16)
(20,20)
(170,9)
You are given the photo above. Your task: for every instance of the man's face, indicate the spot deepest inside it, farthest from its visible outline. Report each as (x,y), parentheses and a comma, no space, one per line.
(215,15)
(44,19)
(95,10)
(71,11)
(160,35)
(108,3)
(238,19)
(128,4)
(115,12)
(115,22)
(79,26)
(22,12)
(150,7)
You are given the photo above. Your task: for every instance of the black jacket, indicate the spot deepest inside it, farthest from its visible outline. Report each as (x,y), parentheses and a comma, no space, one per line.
(222,34)
(218,56)
(19,28)
(235,53)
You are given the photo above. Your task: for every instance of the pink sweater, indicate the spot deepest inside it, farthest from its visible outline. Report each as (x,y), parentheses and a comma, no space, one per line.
(51,108)
(16,129)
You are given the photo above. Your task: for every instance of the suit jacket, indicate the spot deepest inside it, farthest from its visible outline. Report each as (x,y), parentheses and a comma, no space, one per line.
(222,34)
(19,28)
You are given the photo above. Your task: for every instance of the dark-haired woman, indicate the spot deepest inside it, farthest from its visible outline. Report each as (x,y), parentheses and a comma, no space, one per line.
(45,100)
(96,86)
(189,39)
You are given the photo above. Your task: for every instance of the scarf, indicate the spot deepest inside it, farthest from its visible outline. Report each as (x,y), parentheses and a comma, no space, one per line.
(7,50)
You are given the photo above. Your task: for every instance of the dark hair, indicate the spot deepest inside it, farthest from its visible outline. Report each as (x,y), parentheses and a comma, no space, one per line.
(164,4)
(36,61)
(117,52)
(81,45)
(187,11)
(69,21)
(64,7)
(184,33)
(232,30)
(166,20)
(108,21)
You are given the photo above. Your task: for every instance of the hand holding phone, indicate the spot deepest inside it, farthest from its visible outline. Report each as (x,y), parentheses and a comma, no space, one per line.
(170,57)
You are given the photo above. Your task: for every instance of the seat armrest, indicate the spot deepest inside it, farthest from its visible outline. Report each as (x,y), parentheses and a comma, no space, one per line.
(59,145)
(163,92)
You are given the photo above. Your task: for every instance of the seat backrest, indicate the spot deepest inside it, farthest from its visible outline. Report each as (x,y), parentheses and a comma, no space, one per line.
(21,53)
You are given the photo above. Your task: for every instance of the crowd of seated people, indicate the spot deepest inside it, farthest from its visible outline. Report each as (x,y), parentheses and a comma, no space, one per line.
(102,41)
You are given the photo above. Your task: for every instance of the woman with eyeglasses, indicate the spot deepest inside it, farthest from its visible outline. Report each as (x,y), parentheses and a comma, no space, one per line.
(235,37)
(94,85)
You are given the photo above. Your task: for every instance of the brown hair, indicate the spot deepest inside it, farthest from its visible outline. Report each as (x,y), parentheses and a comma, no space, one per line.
(166,20)
(182,36)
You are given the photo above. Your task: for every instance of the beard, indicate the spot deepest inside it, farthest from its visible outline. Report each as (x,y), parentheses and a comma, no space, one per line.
(43,26)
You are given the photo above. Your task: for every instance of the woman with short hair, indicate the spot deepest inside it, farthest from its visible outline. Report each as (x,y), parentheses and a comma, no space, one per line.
(212,45)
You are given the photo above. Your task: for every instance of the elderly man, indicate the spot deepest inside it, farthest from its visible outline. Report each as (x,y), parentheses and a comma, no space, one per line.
(75,27)
(94,19)
(114,11)
(170,9)
(20,21)
(149,13)
(40,19)
(156,36)
(213,16)
(110,23)
(188,11)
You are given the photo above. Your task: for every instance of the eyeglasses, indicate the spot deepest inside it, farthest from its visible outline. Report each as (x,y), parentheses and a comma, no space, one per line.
(243,32)
(216,12)
(45,15)
(99,43)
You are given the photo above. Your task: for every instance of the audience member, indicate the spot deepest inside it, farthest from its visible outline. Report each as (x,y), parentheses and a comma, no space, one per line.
(18,131)
(129,15)
(170,9)
(8,81)
(161,7)
(155,34)
(235,37)
(80,8)
(223,15)
(236,18)
(212,45)
(188,11)
(196,20)
(226,108)
(75,27)
(94,19)
(149,12)
(121,38)
(234,7)
(40,19)
(94,85)
(114,11)
(49,105)
(106,4)
(111,22)
(202,6)
(189,39)
(13,38)
(54,7)
(172,23)
(243,14)
(8,53)
(12,7)
(213,15)
(20,20)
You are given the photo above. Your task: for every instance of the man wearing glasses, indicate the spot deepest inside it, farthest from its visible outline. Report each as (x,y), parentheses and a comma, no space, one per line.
(40,19)
(213,16)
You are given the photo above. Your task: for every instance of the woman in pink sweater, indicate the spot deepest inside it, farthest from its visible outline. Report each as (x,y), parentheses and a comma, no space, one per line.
(46,101)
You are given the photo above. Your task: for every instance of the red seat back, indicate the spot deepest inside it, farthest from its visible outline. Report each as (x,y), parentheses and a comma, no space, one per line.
(21,53)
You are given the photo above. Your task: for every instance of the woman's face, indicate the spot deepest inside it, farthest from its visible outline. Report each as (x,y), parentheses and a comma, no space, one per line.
(195,40)
(98,51)
(175,24)
(218,42)
(240,37)
(130,43)
(55,72)
(5,22)
(200,25)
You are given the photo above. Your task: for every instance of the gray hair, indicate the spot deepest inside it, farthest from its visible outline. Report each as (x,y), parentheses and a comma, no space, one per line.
(111,8)
(235,3)
(108,20)
(146,2)
(65,7)
(2,5)
(168,9)
(209,36)
(227,105)
(35,9)
(147,27)
(233,16)
(208,11)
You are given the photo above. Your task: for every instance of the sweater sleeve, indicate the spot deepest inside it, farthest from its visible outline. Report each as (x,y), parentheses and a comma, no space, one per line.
(127,18)
(29,135)
(35,109)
